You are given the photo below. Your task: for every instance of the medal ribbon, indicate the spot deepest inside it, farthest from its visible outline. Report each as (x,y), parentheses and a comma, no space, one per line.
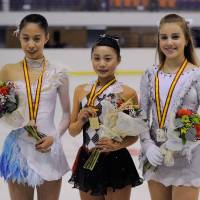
(162,116)
(33,106)
(93,96)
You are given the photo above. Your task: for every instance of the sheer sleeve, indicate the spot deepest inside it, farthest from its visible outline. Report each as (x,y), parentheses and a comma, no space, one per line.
(63,92)
(198,90)
(145,103)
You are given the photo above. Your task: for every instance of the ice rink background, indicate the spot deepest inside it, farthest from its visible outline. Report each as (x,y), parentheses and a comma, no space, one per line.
(131,60)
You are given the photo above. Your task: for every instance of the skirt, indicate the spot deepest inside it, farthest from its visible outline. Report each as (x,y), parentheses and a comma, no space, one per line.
(13,165)
(182,173)
(114,169)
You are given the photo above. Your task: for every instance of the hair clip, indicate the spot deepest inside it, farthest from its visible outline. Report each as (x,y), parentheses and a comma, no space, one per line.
(189,22)
(16,32)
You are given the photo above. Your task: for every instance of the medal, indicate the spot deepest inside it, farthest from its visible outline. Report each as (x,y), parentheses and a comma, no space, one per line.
(94,123)
(160,135)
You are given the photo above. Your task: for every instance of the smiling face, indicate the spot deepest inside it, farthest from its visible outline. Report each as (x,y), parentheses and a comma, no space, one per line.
(104,61)
(32,39)
(172,41)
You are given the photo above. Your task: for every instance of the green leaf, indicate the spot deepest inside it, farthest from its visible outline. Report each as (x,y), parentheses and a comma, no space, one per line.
(185,119)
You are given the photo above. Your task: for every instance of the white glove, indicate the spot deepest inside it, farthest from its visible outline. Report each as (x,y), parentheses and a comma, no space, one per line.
(154,155)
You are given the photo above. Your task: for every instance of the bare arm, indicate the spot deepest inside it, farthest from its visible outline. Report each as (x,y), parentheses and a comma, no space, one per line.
(129,140)
(3,73)
(79,116)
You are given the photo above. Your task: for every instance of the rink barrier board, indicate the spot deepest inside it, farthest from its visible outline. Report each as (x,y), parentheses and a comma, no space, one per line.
(118,72)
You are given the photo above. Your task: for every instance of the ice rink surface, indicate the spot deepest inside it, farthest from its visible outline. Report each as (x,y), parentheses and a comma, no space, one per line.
(71,145)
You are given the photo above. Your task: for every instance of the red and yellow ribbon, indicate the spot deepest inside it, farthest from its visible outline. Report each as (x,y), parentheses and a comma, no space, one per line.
(94,95)
(162,115)
(33,106)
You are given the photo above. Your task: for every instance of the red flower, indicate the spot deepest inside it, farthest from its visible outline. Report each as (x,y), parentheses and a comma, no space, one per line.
(182,112)
(119,102)
(197,127)
(4,91)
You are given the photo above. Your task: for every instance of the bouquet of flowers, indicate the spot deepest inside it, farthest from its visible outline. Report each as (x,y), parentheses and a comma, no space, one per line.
(9,102)
(187,123)
(8,98)
(121,118)
(183,135)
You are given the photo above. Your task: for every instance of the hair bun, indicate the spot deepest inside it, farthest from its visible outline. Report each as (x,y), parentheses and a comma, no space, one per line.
(107,36)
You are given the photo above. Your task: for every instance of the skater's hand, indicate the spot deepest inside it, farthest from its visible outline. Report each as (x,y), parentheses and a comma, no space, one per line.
(85,113)
(154,155)
(107,145)
(44,144)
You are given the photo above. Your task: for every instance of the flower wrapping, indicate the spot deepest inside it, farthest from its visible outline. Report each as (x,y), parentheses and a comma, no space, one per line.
(120,119)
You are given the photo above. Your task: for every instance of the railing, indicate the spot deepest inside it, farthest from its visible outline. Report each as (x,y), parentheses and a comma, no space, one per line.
(98,5)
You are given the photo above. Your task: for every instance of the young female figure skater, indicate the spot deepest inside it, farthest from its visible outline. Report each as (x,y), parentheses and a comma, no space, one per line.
(172,85)
(114,173)
(25,164)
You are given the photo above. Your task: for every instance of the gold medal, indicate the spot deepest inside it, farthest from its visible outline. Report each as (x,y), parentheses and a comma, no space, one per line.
(94,123)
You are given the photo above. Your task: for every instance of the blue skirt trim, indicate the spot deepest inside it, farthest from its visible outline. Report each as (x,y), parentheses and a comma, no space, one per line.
(13,165)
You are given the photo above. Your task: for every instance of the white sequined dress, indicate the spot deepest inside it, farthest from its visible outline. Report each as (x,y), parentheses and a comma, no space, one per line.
(20,161)
(186,95)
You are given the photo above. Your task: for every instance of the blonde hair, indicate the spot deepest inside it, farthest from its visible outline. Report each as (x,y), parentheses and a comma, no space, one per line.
(189,51)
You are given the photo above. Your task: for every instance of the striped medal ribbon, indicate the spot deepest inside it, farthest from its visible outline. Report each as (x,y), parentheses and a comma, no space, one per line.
(162,115)
(33,106)
(94,121)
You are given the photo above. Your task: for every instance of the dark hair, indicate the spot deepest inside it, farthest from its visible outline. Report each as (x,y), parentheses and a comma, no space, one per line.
(189,51)
(34,18)
(108,40)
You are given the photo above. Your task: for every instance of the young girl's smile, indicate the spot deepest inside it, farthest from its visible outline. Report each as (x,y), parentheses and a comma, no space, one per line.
(104,61)
(172,40)
(32,39)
